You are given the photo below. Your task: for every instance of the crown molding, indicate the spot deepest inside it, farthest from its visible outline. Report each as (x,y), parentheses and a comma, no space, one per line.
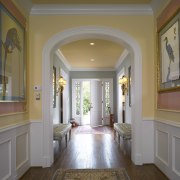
(93,69)
(63,59)
(121,58)
(91,10)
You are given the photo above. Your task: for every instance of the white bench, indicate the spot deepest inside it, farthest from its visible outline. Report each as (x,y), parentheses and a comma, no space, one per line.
(123,130)
(60,131)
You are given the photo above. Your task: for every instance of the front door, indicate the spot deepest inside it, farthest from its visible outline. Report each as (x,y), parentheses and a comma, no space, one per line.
(96,103)
(101,101)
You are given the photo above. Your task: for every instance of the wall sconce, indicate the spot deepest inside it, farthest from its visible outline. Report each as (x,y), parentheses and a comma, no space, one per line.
(61,84)
(124,84)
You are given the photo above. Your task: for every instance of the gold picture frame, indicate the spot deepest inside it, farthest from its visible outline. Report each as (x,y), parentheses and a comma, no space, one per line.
(12,60)
(169,55)
(12,55)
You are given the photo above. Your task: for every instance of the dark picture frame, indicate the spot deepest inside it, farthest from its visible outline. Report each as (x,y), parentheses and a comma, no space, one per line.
(129,84)
(169,55)
(12,54)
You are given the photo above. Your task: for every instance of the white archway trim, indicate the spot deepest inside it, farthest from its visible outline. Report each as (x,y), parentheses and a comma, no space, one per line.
(83,33)
(121,58)
(63,59)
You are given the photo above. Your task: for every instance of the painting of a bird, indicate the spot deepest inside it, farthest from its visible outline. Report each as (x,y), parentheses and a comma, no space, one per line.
(12,41)
(170,53)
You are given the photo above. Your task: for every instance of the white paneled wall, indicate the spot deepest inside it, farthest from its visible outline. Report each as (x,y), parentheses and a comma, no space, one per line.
(167,148)
(36,143)
(14,151)
(148,140)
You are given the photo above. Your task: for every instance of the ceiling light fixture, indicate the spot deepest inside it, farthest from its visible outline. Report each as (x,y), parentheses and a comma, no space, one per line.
(92,60)
(92,44)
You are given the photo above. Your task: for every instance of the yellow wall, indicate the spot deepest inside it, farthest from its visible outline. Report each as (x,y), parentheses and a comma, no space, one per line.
(42,28)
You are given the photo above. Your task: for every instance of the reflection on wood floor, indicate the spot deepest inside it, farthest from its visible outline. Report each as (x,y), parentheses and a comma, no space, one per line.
(94,151)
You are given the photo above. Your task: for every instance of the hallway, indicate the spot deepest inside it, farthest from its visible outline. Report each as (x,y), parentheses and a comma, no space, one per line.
(94,151)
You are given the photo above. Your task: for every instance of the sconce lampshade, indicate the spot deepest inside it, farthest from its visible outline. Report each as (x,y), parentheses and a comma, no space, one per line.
(123,80)
(124,84)
(61,84)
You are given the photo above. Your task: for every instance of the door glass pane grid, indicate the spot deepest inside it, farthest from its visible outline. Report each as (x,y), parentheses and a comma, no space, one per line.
(107,98)
(78,97)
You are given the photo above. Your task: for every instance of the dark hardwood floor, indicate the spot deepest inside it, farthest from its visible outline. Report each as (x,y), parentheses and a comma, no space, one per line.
(94,151)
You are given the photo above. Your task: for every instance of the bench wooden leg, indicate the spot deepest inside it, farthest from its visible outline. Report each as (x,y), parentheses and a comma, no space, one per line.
(69,134)
(118,138)
(66,139)
(114,134)
(60,147)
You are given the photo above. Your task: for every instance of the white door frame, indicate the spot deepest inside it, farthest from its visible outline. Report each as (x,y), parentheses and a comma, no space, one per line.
(78,33)
(119,96)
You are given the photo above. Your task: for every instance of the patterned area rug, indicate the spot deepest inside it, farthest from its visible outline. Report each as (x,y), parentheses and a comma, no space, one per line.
(96,130)
(91,174)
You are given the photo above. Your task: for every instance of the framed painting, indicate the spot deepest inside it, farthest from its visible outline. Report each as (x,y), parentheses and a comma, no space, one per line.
(12,59)
(129,84)
(169,55)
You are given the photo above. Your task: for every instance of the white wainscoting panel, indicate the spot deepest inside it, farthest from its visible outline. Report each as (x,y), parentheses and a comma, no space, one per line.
(167,148)
(14,151)
(148,140)
(5,159)
(21,150)
(36,143)
(176,155)
(162,146)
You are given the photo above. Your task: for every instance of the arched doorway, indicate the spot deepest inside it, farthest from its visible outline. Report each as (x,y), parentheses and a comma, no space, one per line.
(92,32)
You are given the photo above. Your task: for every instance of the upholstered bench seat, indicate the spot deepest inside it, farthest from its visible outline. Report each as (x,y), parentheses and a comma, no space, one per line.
(123,129)
(60,131)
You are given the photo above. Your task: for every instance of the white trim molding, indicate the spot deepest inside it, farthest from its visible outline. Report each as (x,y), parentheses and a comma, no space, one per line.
(148,140)
(36,142)
(92,69)
(63,59)
(169,122)
(91,9)
(121,58)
